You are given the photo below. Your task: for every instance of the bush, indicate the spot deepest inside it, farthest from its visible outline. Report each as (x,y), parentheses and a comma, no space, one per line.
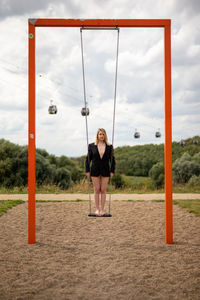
(118,181)
(127,182)
(194,181)
(44,171)
(185,167)
(62,178)
(157,175)
(77,174)
(196,158)
(21,167)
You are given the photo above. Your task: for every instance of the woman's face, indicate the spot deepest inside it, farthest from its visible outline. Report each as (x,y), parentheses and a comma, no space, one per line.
(101,136)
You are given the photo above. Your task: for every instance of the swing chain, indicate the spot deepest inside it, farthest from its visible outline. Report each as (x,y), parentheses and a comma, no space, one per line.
(114,109)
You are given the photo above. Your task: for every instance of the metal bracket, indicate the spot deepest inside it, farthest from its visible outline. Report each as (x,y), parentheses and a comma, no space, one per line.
(33,21)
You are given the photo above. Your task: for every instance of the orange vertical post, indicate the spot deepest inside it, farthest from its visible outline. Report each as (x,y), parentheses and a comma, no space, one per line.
(31,136)
(168,137)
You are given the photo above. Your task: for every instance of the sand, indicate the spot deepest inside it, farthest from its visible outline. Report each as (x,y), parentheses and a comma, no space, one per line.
(77,257)
(120,197)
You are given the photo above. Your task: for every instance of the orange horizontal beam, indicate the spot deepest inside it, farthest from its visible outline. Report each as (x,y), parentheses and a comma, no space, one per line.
(100,22)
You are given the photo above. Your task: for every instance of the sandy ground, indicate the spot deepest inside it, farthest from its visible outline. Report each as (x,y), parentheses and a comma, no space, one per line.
(86,196)
(77,257)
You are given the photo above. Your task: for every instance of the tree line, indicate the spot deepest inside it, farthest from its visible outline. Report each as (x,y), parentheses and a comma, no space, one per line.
(60,171)
(142,160)
(148,160)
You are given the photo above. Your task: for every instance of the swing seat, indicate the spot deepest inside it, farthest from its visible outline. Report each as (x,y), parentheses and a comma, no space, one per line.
(94,215)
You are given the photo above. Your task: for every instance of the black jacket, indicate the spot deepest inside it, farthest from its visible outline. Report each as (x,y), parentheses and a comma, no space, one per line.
(100,166)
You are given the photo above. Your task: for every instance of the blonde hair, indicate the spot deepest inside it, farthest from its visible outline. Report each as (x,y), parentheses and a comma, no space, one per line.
(105,136)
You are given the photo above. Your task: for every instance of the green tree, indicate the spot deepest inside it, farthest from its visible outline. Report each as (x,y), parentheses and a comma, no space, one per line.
(62,178)
(44,171)
(20,167)
(185,167)
(118,181)
(194,181)
(157,174)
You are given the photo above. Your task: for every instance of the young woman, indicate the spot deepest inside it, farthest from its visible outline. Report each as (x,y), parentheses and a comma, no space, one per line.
(102,160)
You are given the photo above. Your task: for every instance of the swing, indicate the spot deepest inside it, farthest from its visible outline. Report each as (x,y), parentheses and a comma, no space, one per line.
(84,110)
(94,215)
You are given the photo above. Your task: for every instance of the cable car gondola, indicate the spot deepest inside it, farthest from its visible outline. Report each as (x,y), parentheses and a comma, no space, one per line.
(158,134)
(182,143)
(136,134)
(52,110)
(195,142)
(85,111)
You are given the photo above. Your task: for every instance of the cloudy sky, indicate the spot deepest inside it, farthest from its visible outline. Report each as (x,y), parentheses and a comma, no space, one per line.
(140,89)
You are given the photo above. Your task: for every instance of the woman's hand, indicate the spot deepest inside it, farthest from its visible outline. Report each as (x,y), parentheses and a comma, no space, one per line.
(111,175)
(88,175)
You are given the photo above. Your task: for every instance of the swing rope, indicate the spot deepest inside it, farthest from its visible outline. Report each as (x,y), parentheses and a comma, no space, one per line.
(114,109)
(86,121)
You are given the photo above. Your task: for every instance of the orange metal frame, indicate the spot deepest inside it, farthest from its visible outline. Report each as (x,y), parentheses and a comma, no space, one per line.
(166,24)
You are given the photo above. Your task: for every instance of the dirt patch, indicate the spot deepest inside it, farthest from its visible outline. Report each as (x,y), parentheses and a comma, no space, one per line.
(77,257)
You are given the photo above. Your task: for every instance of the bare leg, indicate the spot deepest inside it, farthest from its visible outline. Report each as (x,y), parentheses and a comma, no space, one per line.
(97,187)
(104,183)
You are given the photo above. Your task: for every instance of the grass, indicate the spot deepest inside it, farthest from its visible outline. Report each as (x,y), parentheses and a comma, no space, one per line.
(5,205)
(184,189)
(131,200)
(133,184)
(139,179)
(158,200)
(193,206)
(14,190)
